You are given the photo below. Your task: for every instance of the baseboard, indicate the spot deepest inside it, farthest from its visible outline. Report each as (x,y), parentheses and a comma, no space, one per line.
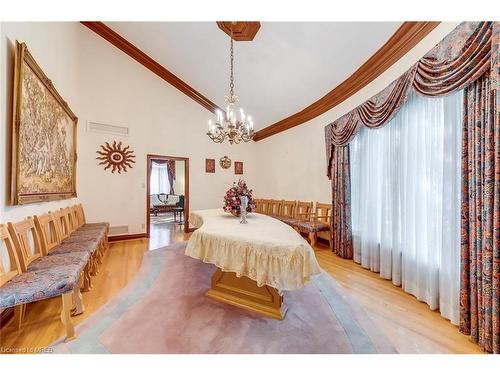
(323,241)
(125,237)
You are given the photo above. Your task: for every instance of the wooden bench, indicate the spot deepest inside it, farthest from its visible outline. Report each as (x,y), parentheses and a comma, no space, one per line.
(50,255)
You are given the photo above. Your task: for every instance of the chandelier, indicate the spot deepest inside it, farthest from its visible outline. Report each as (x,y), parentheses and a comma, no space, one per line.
(228,125)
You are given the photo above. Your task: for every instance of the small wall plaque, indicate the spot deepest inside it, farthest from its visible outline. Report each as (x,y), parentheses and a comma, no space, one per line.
(209,165)
(238,167)
(225,162)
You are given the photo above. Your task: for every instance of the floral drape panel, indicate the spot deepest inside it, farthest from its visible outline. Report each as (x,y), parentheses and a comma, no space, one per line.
(480,253)
(341,193)
(468,54)
(171,174)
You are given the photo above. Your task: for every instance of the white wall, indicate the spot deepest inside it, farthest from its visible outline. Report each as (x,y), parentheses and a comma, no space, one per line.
(102,84)
(292,164)
(180,177)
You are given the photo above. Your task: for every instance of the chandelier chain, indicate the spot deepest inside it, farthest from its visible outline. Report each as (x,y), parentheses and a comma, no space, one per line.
(231,57)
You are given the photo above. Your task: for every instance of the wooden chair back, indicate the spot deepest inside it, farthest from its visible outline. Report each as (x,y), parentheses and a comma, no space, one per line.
(274,207)
(26,242)
(48,232)
(11,269)
(76,219)
(62,223)
(288,209)
(80,214)
(264,206)
(72,223)
(303,210)
(323,212)
(258,205)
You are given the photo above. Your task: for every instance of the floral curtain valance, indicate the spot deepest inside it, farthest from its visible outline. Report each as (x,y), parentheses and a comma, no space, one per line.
(454,63)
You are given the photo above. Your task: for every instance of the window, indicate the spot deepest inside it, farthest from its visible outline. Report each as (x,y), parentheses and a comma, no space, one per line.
(159,182)
(405,196)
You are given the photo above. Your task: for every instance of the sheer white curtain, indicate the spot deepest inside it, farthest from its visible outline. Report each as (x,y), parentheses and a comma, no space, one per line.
(159,183)
(405,187)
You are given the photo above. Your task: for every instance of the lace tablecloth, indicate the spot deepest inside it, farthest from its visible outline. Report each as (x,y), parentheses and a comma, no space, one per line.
(265,250)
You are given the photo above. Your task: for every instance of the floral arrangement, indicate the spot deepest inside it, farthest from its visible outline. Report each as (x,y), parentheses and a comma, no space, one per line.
(232,198)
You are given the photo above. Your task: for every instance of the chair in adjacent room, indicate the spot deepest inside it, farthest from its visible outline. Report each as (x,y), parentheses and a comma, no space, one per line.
(179,209)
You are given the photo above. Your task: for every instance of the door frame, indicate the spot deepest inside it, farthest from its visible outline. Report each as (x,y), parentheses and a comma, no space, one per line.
(150,158)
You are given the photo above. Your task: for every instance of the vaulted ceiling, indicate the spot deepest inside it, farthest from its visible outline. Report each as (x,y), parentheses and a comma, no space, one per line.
(286,67)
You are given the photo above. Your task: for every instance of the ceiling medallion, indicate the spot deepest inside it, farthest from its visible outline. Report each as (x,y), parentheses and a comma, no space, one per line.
(115,156)
(242,30)
(225,162)
(227,125)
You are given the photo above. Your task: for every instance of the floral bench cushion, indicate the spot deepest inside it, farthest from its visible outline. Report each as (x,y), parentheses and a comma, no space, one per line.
(38,285)
(312,227)
(88,247)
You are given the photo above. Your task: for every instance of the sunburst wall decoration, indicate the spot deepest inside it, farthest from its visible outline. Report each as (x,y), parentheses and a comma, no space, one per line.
(116,157)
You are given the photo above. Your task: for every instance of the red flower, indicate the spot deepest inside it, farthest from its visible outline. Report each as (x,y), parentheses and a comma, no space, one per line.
(232,198)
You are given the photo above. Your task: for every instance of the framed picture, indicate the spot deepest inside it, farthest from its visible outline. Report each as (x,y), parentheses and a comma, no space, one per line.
(209,165)
(238,167)
(43,155)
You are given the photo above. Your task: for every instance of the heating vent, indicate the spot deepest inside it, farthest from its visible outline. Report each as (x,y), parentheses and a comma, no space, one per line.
(96,127)
(118,229)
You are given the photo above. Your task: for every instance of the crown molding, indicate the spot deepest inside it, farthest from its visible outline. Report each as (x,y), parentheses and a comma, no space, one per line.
(149,63)
(402,41)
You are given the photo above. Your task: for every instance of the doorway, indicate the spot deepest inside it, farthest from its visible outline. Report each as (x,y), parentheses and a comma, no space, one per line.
(167,199)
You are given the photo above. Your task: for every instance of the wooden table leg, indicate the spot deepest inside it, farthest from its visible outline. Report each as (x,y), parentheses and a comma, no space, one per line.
(243,292)
(67,305)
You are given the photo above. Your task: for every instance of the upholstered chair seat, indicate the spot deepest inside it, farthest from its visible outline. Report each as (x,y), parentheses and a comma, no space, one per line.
(76,247)
(312,227)
(72,262)
(290,221)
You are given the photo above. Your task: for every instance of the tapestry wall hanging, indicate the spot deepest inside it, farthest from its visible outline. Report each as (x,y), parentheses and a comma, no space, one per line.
(43,154)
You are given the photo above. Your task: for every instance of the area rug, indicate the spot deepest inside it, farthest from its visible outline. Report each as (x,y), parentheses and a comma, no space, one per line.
(165,310)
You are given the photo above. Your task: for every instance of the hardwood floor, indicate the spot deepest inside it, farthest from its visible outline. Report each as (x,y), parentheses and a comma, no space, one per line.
(410,325)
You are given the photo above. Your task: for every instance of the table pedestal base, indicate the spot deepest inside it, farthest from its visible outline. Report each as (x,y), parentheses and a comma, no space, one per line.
(244,292)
